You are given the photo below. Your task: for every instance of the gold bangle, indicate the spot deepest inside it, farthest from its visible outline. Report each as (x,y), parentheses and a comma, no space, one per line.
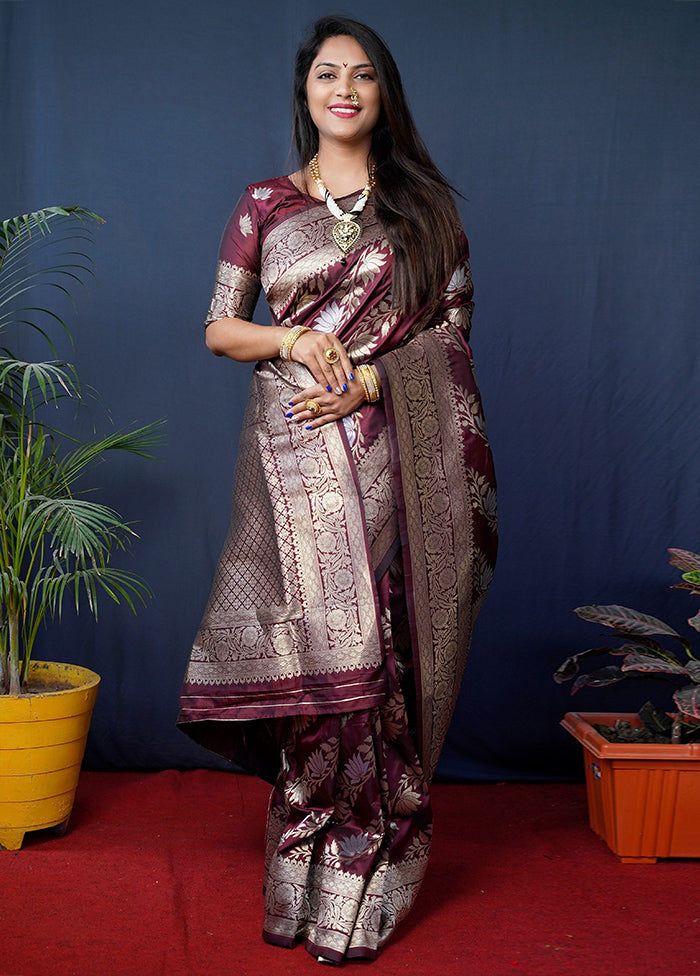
(363,381)
(362,373)
(375,393)
(289,340)
(377,379)
(371,383)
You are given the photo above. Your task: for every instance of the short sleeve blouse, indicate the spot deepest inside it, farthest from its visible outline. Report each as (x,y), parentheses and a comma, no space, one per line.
(237,284)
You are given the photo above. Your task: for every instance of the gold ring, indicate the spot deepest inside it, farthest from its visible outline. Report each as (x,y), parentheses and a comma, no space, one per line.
(314,407)
(331,355)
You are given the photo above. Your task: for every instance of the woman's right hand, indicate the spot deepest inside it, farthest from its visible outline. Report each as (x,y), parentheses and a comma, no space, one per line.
(248,342)
(311,349)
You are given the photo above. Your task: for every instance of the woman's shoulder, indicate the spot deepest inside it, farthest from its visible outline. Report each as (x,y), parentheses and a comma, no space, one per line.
(273,188)
(264,204)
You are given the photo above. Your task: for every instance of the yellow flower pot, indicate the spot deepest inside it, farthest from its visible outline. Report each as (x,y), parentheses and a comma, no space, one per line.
(42,742)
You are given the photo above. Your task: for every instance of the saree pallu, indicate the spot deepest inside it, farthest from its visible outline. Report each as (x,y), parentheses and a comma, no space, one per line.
(333,646)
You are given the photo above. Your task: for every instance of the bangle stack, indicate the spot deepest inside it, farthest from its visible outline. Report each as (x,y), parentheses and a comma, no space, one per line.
(289,340)
(371,384)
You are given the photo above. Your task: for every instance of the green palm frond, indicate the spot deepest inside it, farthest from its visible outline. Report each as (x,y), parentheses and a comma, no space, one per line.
(116,583)
(20,228)
(141,441)
(20,382)
(13,227)
(78,527)
(30,256)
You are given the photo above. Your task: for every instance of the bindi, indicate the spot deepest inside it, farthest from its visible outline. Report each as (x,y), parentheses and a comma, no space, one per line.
(345,64)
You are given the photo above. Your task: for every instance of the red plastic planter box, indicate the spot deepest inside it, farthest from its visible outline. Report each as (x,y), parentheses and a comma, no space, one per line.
(643,799)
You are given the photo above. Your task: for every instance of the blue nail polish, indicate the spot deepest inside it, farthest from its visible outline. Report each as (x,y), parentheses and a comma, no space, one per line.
(329,389)
(291,403)
(352,376)
(308,427)
(290,414)
(345,387)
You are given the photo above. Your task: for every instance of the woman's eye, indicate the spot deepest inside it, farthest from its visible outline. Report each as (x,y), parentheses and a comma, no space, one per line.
(365,77)
(326,74)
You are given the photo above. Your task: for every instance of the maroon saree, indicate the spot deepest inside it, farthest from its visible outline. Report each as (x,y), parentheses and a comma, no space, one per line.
(333,645)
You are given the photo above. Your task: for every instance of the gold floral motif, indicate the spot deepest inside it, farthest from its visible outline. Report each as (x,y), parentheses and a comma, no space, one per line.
(440,517)
(236,293)
(483,497)
(297,254)
(285,615)
(335,908)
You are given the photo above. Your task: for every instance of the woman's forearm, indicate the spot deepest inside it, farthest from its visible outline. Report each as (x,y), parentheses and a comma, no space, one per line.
(244,341)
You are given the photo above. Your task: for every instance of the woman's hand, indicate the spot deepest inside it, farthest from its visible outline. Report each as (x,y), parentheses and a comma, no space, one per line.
(314,349)
(332,405)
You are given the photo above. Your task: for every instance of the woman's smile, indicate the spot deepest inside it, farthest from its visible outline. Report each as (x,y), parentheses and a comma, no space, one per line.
(344,111)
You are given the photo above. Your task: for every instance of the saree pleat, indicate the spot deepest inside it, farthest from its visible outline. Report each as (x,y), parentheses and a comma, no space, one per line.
(349,830)
(334,642)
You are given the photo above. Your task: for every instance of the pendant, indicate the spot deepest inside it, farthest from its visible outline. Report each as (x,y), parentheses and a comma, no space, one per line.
(346,233)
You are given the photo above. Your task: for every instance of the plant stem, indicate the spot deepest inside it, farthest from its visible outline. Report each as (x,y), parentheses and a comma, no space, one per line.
(13,624)
(676,728)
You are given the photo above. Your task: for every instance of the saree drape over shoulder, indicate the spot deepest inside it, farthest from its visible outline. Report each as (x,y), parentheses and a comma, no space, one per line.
(334,642)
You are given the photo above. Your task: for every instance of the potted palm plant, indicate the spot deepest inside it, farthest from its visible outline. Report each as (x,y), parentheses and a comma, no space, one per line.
(643,770)
(55,541)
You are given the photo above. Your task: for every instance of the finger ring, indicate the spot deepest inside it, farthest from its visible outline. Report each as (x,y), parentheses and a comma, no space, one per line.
(314,407)
(331,355)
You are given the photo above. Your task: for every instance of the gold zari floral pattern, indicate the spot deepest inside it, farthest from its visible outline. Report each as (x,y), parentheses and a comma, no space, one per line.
(301,602)
(434,417)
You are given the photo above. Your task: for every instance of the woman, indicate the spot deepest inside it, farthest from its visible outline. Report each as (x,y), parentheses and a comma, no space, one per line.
(362,537)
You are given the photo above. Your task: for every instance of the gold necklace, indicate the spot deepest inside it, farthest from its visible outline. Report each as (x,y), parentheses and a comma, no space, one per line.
(347,232)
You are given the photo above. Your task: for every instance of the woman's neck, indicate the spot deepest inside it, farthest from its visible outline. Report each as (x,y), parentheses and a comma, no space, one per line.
(343,168)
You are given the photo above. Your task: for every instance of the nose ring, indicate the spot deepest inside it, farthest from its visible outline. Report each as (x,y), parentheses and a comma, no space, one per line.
(353,97)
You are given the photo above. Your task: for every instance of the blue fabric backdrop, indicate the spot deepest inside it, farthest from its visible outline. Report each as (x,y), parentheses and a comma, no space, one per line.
(573,130)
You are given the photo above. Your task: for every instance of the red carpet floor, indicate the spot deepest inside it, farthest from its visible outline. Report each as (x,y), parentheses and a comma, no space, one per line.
(160,875)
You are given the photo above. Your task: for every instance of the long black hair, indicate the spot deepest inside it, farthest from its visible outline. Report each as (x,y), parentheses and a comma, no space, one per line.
(413,199)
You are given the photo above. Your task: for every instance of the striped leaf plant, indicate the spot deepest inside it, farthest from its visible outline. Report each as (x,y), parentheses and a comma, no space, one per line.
(649,648)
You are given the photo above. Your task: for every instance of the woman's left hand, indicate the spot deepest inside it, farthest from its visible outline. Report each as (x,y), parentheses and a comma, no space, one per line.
(333,406)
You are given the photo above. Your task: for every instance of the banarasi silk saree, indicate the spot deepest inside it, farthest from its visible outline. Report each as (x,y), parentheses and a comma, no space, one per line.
(334,642)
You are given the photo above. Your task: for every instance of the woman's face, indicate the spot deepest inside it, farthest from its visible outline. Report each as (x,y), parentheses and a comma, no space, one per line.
(340,66)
